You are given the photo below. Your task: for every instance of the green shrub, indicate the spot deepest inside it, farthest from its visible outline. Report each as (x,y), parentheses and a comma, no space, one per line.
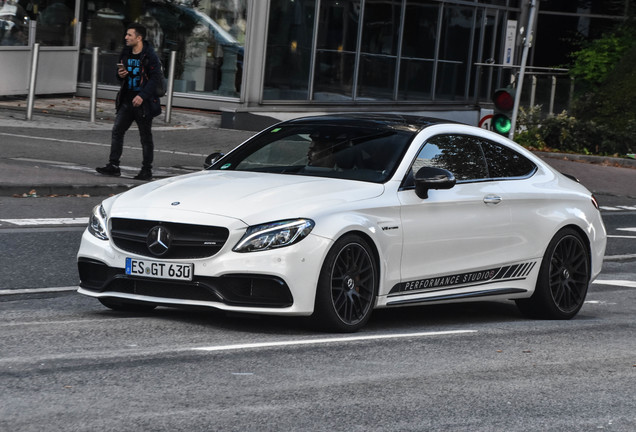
(565,133)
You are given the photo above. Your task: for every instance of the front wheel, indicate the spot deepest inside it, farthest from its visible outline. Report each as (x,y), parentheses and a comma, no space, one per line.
(563,279)
(347,286)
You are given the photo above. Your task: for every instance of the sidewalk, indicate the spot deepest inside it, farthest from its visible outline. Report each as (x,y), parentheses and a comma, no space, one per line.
(74,112)
(180,147)
(53,116)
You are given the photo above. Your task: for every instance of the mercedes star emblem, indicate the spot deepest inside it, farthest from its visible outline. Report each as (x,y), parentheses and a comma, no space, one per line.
(158,240)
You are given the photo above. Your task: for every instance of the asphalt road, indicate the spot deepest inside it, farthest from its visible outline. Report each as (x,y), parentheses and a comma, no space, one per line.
(68,363)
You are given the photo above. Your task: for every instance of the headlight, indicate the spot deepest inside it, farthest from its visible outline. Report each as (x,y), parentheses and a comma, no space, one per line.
(97,223)
(274,235)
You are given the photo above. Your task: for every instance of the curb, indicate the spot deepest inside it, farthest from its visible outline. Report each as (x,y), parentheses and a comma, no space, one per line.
(65,189)
(597,160)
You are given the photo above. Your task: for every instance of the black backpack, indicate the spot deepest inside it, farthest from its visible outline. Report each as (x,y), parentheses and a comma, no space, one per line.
(160,91)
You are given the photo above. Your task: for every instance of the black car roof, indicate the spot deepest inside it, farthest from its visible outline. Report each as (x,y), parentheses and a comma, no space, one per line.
(376,120)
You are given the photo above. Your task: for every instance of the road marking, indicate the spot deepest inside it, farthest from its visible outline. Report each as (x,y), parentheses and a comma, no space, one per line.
(129,353)
(47,221)
(621,283)
(327,340)
(617,208)
(173,152)
(37,290)
(628,229)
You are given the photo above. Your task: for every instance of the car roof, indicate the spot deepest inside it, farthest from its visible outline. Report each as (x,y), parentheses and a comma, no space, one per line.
(375,120)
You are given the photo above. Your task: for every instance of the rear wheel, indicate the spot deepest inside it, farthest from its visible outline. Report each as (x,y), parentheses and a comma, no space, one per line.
(347,286)
(563,280)
(124,306)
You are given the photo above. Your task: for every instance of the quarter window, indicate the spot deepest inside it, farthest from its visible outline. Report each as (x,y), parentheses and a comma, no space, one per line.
(504,162)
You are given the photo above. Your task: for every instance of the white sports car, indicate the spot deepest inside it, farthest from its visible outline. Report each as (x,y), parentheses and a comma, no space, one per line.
(333,216)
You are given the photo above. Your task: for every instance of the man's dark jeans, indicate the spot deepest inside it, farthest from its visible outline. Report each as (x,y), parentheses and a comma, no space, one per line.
(125,116)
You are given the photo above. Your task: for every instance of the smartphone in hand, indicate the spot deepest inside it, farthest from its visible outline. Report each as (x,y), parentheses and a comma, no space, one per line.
(120,66)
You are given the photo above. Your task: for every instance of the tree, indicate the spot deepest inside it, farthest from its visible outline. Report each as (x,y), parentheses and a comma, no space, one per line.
(605,73)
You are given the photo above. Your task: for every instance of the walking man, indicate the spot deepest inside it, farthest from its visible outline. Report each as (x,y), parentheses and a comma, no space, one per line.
(139,71)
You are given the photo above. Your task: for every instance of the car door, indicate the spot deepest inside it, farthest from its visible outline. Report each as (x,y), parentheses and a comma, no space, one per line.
(459,230)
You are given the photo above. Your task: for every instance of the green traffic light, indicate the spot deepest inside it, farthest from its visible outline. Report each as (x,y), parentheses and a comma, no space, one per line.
(501,123)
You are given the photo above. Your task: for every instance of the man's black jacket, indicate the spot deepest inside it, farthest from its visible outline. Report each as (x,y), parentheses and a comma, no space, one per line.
(151,76)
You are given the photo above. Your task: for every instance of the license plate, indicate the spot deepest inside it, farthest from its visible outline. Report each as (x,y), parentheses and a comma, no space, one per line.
(161,270)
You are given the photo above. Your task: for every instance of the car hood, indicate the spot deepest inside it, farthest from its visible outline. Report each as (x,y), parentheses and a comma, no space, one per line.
(247,196)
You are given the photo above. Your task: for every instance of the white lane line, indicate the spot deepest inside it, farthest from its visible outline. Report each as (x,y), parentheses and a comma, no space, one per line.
(47,221)
(37,290)
(626,229)
(619,257)
(621,236)
(130,352)
(328,340)
(98,144)
(621,283)
(617,208)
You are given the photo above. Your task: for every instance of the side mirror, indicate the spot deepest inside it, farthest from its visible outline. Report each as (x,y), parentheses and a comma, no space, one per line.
(211,159)
(428,178)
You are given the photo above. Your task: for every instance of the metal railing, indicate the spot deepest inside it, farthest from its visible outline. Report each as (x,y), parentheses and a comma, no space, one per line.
(94,69)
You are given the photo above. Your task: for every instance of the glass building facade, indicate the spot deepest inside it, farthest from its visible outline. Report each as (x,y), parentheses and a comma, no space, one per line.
(207,36)
(272,55)
(54,22)
(382,50)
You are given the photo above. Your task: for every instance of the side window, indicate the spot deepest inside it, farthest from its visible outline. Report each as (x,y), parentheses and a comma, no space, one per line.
(504,162)
(458,154)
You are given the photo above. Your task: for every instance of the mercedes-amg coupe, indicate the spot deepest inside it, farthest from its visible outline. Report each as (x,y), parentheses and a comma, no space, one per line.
(333,216)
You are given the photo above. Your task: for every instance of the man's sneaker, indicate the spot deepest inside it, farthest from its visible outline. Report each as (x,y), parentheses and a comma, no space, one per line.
(109,170)
(144,174)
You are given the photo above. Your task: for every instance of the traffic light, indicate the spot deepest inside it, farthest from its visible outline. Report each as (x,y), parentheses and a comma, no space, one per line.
(504,100)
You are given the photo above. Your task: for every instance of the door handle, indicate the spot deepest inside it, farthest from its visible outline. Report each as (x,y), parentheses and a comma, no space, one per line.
(492,199)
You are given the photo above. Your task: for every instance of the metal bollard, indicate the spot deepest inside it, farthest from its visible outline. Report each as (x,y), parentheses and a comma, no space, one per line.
(533,92)
(173,58)
(34,72)
(94,83)
(552,95)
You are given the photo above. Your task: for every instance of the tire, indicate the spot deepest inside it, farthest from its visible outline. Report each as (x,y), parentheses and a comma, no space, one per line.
(124,306)
(347,286)
(563,279)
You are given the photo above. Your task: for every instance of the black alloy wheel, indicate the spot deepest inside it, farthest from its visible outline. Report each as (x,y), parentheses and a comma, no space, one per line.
(347,286)
(563,280)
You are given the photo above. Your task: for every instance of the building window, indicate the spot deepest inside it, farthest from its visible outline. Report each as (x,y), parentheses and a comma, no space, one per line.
(421,20)
(208,40)
(336,48)
(289,50)
(381,29)
(455,46)
(14,25)
(379,50)
(55,20)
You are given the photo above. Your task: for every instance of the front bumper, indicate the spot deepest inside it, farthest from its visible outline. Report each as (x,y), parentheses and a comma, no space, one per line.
(232,290)
(278,282)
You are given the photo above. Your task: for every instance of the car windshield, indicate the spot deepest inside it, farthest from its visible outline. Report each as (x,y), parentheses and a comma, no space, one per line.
(354,153)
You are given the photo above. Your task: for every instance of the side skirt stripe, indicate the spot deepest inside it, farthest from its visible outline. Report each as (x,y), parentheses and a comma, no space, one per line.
(475,294)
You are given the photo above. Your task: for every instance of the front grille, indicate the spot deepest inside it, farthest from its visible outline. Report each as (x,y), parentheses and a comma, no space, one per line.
(188,241)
